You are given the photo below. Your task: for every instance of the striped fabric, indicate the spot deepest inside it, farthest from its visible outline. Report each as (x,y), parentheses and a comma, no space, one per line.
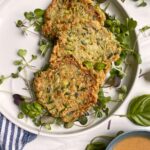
(13,137)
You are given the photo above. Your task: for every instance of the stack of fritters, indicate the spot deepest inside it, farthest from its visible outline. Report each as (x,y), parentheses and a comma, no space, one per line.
(69,87)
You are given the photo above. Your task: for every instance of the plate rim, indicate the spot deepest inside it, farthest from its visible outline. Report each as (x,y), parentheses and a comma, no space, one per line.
(75,133)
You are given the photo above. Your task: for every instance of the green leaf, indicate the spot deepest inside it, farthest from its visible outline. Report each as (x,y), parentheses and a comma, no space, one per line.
(20,115)
(34,57)
(2,78)
(22,52)
(131,24)
(17,62)
(83,120)
(14,75)
(37,27)
(143,4)
(40,20)
(43,49)
(139,110)
(39,12)
(96,146)
(98,111)
(137,57)
(29,15)
(19,68)
(68,125)
(145,28)
(44,46)
(123,89)
(19,23)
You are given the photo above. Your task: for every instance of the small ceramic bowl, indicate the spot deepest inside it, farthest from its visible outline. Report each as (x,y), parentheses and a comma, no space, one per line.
(125,135)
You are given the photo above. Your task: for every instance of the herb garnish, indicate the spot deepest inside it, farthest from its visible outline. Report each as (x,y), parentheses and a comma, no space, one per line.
(33,19)
(45,45)
(21,64)
(101,106)
(123,33)
(145,28)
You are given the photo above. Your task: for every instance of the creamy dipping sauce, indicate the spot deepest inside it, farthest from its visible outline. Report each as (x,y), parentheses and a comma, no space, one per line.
(133,143)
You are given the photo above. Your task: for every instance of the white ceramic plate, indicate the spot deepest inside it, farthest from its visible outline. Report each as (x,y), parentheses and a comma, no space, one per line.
(11,40)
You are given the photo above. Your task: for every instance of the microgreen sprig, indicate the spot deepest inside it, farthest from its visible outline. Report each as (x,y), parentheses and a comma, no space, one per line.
(101,106)
(145,28)
(21,64)
(45,45)
(3,78)
(123,32)
(32,20)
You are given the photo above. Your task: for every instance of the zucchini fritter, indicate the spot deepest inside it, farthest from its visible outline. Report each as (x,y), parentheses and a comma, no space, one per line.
(62,14)
(66,89)
(88,42)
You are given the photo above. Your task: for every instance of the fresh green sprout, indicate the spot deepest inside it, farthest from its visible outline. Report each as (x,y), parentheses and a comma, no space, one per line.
(101,106)
(3,78)
(68,125)
(21,65)
(21,115)
(145,28)
(32,20)
(142,3)
(45,45)
(83,120)
(32,109)
(123,33)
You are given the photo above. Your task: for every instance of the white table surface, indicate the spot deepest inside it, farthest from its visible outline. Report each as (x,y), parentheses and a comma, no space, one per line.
(142,15)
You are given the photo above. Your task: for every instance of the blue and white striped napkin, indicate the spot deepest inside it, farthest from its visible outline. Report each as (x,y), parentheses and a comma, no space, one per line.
(13,137)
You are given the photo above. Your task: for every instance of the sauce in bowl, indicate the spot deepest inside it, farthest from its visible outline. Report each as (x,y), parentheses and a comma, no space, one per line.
(133,143)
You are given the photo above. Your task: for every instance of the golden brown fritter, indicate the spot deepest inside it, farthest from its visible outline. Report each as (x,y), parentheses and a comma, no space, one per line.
(92,45)
(66,89)
(62,14)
